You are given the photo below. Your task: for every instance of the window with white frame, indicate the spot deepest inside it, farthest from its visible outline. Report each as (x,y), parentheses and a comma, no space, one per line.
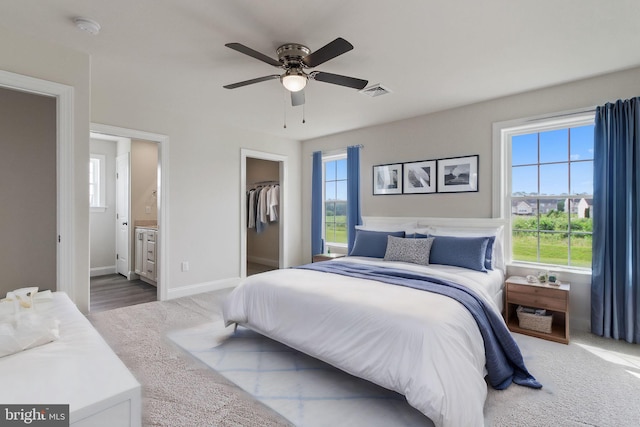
(335,199)
(97,184)
(548,194)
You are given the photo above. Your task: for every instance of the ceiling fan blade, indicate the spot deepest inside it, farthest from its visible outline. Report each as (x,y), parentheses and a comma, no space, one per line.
(252,81)
(337,79)
(327,52)
(297,98)
(253,53)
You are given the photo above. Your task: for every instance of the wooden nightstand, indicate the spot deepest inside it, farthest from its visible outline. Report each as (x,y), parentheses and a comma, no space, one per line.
(554,299)
(326,257)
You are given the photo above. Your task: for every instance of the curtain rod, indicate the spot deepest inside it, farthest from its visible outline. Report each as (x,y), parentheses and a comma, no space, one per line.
(338,150)
(563,114)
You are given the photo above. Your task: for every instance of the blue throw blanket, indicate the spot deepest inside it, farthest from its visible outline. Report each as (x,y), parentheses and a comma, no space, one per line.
(504,360)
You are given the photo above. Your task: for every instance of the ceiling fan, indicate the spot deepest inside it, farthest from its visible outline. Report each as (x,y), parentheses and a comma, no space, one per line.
(294,58)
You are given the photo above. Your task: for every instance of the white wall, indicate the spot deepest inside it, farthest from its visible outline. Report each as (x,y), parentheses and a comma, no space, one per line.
(46,61)
(204,176)
(103,223)
(204,162)
(460,132)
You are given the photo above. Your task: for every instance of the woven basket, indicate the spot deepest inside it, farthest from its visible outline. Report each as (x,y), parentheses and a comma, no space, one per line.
(534,322)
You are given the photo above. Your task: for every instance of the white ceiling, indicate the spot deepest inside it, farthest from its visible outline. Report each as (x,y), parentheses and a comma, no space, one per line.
(433,55)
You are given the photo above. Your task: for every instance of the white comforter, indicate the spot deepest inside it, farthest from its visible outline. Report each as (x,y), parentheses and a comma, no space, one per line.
(423,345)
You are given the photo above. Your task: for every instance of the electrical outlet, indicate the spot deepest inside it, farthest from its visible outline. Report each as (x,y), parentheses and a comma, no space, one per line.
(147,209)
(185,266)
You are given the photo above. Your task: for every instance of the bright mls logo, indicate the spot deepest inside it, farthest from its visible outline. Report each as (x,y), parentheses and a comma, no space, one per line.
(34,415)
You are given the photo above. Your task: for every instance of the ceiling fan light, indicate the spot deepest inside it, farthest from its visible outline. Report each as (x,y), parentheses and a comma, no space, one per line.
(294,80)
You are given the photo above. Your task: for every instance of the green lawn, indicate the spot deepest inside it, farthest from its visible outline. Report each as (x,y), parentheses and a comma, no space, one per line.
(553,249)
(337,233)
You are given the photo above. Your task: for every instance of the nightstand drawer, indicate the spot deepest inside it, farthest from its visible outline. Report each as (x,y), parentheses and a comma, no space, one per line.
(537,291)
(537,301)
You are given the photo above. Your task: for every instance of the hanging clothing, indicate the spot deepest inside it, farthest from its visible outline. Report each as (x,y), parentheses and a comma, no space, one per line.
(262,206)
(251,211)
(274,196)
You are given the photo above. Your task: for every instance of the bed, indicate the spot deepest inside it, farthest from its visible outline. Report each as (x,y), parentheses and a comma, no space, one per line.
(347,312)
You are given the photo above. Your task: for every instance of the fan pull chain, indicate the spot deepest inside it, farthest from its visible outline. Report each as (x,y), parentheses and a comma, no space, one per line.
(303,110)
(284,108)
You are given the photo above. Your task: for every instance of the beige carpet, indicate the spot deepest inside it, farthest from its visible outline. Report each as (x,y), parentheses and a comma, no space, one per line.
(177,390)
(591,382)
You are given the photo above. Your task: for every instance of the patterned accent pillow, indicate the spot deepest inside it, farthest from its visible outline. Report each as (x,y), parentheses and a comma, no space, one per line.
(415,251)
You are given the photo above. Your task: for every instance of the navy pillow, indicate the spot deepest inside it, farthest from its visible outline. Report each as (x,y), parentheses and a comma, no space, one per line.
(467,252)
(372,243)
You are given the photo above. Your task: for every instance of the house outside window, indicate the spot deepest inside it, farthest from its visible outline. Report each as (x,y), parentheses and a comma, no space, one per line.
(548,199)
(335,199)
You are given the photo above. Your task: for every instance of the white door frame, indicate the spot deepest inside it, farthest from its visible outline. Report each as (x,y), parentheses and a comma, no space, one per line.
(283,255)
(64,167)
(163,193)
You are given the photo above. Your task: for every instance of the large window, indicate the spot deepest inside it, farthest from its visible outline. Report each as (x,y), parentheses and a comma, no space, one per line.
(335,199)
(550,172)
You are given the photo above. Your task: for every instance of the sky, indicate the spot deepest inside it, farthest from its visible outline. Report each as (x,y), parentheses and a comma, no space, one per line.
(574,144)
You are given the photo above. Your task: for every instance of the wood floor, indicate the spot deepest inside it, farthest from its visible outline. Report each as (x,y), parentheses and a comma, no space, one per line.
(254,268)
(115,291)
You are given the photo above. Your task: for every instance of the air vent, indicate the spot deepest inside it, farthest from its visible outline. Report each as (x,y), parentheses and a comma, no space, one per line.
(375,90)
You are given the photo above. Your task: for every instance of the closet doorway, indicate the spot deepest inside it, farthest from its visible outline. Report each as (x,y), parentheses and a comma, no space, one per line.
(262,247)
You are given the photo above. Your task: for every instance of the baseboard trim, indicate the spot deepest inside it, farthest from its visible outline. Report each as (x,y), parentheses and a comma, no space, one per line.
(198,288)
(102,271)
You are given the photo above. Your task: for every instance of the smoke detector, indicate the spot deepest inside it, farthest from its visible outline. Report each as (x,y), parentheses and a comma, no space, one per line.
(88,25)
(375,90)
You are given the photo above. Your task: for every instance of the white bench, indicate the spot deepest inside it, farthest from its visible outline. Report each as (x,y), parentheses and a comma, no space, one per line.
(78,369)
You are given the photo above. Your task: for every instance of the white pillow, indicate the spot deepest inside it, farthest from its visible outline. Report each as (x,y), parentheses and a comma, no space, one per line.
(497,255)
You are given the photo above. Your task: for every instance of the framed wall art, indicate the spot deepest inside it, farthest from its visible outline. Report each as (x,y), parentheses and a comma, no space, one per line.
(458,174)
(387,179)
(419,177)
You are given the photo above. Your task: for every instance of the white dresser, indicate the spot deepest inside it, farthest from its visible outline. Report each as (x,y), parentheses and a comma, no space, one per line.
(79,369)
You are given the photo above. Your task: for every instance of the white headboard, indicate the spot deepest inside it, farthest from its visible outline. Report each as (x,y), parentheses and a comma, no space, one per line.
(468,224)
(374,221)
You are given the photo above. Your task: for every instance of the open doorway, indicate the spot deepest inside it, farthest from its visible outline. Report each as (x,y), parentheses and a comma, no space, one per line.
(262,248)
(63,95)
(126,224)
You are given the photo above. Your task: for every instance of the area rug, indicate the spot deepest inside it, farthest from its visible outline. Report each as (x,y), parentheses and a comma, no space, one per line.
(306,391)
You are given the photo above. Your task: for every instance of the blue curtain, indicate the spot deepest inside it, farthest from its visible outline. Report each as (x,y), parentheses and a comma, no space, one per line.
(317,245)
(354,213)
(615,291)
